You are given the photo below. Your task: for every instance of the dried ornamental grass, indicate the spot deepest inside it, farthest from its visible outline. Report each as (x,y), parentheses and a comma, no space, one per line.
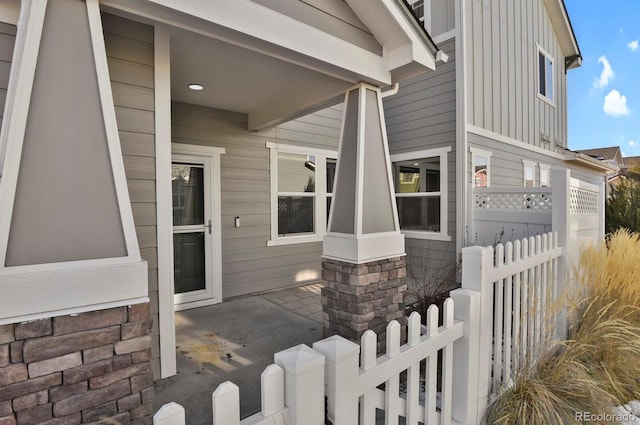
(598,367)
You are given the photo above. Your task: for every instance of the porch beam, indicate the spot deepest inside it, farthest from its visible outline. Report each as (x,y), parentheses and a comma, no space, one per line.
(323,93)
(254,27)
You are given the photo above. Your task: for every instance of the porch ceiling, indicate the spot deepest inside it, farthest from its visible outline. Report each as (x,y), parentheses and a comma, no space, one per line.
(269,90)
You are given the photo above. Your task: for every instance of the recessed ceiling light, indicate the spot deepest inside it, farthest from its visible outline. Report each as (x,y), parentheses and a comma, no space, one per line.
(196,87)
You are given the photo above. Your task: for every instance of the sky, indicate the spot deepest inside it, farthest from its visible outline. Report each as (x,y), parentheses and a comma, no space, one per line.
(604,94)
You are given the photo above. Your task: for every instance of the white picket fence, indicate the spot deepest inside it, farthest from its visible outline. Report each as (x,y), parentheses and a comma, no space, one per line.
(356,382)
(519,283)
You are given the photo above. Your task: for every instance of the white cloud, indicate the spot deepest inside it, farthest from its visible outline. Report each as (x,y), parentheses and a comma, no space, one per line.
(633,45)
(615,104)
(606,74)
(633,143)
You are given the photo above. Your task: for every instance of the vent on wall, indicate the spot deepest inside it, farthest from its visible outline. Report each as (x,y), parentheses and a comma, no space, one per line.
(544,138)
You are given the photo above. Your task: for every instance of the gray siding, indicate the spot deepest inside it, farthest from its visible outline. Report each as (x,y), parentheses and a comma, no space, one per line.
(332,16)
(7,41)
(248,265)
(507,169)
(502,69)
(129,48)
(423,116)
(443,16)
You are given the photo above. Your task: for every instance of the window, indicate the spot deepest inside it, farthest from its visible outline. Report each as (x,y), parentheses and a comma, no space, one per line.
(545,76)
(331,176)
(545,175)
(420,180)
(301,190)
(480,161)
(529,173)
(418,8)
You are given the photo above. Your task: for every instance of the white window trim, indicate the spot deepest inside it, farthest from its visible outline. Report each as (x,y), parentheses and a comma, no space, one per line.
(526,163)
(443,234)
(552,102)
(320,195)
(475,152)
(543,167)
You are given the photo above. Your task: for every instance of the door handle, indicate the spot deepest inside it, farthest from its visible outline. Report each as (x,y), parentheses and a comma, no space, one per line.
(208,226)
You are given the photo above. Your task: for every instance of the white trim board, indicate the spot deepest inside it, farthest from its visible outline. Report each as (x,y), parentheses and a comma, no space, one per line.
(164,213)
(48,293)
(478,131)
(445,36)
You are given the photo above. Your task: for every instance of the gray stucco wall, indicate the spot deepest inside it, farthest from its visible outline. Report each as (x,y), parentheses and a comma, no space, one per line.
(65,197)
(7,41)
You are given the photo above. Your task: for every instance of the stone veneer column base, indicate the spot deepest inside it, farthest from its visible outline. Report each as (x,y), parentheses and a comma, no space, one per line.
(90,368)
(358,297)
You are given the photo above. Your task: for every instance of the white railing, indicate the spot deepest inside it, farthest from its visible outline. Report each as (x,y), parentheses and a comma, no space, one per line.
(352,377)
(518,283)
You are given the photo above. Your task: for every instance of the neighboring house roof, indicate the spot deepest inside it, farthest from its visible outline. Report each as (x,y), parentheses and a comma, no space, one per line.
(611,154)
(631,161)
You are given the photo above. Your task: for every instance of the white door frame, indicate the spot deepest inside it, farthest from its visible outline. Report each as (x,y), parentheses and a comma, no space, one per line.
(210,157)
(212,292)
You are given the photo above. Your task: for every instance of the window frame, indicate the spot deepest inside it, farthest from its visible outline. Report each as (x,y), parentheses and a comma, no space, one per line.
(546,168)
(477,152)
(320,195)
(443,194)
(533,165)
(544,97)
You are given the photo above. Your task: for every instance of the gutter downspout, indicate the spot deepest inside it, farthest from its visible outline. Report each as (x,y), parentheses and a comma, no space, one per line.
(462,218)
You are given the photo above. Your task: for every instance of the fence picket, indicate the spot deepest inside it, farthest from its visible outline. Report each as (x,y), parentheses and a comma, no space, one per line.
(431,369)
(169,414)
(413,372)
(498,320)
(517,319)
(544,295)
(272,390)
(225,402)
(368,348)
(392,386)
(508,316)
(538,296)
(447,367)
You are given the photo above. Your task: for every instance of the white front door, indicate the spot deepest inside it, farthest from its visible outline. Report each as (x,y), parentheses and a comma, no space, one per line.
(196,240)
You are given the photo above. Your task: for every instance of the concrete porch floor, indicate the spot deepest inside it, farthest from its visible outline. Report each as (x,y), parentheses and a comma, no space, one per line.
(234,341)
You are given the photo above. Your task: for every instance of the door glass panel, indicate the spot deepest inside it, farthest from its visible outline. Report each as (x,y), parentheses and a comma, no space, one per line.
(187,181)
(189,262)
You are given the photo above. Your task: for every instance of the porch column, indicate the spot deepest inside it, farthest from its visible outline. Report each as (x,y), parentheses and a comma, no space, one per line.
(363,251)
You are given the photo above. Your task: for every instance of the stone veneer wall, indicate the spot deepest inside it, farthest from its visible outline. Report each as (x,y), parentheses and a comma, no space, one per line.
(358,297)
(86,368)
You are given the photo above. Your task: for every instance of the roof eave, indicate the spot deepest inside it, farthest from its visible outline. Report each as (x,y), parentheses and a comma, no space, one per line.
(590,162)
(564,29)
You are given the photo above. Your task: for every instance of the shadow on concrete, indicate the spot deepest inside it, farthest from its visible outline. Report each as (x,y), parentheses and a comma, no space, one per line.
(233,341)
